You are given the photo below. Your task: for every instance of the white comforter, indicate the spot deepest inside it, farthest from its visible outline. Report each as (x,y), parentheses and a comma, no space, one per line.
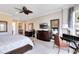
(11,42)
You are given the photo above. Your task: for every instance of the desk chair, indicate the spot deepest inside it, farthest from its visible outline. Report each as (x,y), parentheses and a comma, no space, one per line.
(60,43)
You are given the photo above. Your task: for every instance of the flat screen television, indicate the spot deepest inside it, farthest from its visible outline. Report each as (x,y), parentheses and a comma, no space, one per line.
(43,26)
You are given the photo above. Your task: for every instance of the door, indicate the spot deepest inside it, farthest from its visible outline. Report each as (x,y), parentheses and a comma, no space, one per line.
(13,28)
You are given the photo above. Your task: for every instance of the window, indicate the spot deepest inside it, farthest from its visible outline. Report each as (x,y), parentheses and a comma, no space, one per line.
(3,26)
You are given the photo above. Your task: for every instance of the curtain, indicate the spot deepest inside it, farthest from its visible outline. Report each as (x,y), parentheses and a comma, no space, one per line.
(70,18)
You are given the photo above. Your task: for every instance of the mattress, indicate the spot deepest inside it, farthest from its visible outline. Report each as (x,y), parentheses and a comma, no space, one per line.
(11,42)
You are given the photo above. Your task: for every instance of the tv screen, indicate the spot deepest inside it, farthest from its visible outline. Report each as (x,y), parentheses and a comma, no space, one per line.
(44,26)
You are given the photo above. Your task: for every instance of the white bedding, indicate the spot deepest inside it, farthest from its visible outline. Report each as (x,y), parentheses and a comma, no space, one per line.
(11,42)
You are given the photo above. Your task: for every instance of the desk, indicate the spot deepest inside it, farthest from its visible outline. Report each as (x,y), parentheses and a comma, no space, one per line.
(73,39)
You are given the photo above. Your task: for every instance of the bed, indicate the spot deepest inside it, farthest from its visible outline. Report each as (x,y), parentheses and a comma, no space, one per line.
(14,44)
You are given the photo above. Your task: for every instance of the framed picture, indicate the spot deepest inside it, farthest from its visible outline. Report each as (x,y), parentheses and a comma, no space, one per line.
(44,26)
(3,26)
(55,26)
(55,23)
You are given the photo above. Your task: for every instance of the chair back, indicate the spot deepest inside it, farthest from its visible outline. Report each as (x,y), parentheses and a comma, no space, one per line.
(57,40)
(60,43)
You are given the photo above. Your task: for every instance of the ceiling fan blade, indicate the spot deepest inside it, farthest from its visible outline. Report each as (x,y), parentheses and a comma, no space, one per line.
(29,11)
(21,11)
(18,9)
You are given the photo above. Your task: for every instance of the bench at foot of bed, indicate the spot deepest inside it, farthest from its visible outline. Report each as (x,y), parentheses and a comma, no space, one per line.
(20,50)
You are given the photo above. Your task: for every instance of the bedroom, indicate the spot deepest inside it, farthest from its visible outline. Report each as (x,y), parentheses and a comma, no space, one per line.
(40,21)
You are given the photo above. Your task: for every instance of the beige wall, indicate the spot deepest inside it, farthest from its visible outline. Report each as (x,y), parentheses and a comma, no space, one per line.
(38,20)
(4,17)
(47,18)
(63,16)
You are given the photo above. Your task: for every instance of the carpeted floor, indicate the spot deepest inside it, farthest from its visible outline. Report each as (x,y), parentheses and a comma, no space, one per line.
(42,47)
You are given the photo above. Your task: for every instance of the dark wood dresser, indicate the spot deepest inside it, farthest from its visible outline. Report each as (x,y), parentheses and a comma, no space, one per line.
(43,35)
(30,33)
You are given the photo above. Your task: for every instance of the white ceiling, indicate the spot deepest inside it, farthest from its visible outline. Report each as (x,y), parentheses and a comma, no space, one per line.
(38,9)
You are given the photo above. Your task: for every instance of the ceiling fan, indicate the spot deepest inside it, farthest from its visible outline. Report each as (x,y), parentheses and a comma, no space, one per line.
(24,10)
